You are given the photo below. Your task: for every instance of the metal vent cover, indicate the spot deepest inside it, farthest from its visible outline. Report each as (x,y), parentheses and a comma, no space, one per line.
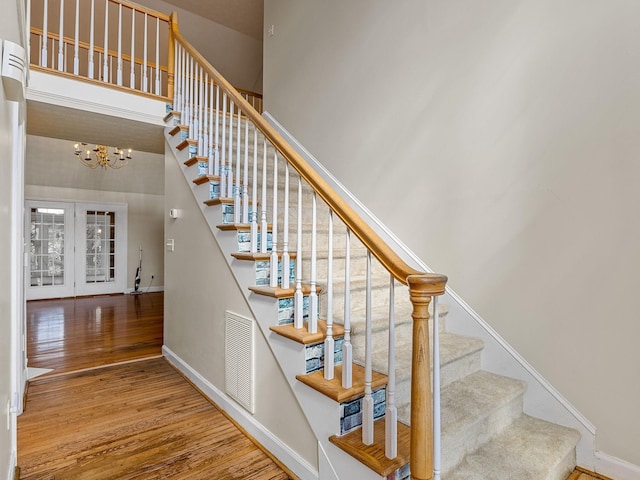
(239,359)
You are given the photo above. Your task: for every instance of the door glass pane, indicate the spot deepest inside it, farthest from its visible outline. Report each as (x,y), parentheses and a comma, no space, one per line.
(46,264)
(100,247)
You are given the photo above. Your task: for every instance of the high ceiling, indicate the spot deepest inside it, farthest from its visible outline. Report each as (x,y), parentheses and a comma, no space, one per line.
(245,16)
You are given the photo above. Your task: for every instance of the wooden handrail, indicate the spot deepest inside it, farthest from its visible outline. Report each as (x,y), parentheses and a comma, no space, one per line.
(385,255)
(249,92)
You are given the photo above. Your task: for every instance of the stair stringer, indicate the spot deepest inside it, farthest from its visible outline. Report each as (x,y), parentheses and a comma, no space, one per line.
(317,408)
(541,399)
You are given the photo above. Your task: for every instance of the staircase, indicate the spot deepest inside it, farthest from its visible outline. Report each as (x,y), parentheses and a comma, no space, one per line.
(485,434)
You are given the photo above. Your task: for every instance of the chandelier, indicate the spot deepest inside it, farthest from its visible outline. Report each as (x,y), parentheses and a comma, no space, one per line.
(100,156)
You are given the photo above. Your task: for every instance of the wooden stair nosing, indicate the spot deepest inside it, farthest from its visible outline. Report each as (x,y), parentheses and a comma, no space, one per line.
(277,292)
(202,179)
(373,456)
(195,159)
(219,201)
(301,335)
(236,226)
(258,256)
(334,389)
(185,143)
(176,129)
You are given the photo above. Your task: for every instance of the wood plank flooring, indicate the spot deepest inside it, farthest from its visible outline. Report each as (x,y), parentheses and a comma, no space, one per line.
(78,333)
(138,420)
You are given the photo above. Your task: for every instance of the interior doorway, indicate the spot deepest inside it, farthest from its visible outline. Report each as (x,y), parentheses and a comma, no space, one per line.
(75,249)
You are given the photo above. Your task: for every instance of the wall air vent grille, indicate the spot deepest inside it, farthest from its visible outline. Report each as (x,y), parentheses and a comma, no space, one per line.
(239,359)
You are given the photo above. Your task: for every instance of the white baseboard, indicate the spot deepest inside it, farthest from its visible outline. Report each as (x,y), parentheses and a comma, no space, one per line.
(282,452)
(616,468)
(159,288)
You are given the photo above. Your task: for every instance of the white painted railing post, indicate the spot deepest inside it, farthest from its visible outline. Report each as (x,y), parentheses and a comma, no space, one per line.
(157,56)
(273,261)
(263,206)
(254,194)
(216,151)
(145,79)
(245,178)
(223,153)
(90,63)
(76,42)
(105,65)
(285,231)
(367,401)
(200,100)
(229,164)
(45,35)
(119,66)
(436,392)
(347,351)
(61,39)
(132,74)
(312,326)
(391,412)
(329,343)
(298,299)
(237,198)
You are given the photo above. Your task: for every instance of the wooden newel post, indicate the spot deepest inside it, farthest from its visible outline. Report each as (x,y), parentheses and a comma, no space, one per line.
(422,288)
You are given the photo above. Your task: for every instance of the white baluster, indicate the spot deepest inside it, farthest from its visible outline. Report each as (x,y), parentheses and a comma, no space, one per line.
(200,149)
(273,274)
(223,161)
(90,64)
(61,43)
(210,139)
(105,66)
(76,41)
(245,178)
(285,230)
(132,75)
(436,393)
(157,56)
(254,194)
(216,151)
(329,343)
(237,199)
(145,79)
(298,299)
(312,326)
(192,97)
(367,401)
(204,149)
(119,66)
(263,216)
(229,172)
(391,412)
(347,351)
(45,35)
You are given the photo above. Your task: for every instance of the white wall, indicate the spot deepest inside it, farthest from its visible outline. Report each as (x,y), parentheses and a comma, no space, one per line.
(9,30)
(52,172)
(499,140)
(237,56)
(199,288)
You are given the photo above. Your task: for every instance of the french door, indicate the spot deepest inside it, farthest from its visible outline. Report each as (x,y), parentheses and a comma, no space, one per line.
(75,248)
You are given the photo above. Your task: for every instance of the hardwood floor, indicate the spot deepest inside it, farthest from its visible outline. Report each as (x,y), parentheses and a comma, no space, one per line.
(138,420)
(78,333)
(89,419)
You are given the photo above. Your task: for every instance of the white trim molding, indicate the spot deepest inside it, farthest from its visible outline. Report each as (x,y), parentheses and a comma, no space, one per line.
(617,468)
(282,452)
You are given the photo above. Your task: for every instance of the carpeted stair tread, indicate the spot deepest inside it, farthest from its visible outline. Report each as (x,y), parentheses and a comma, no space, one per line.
(528,449)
